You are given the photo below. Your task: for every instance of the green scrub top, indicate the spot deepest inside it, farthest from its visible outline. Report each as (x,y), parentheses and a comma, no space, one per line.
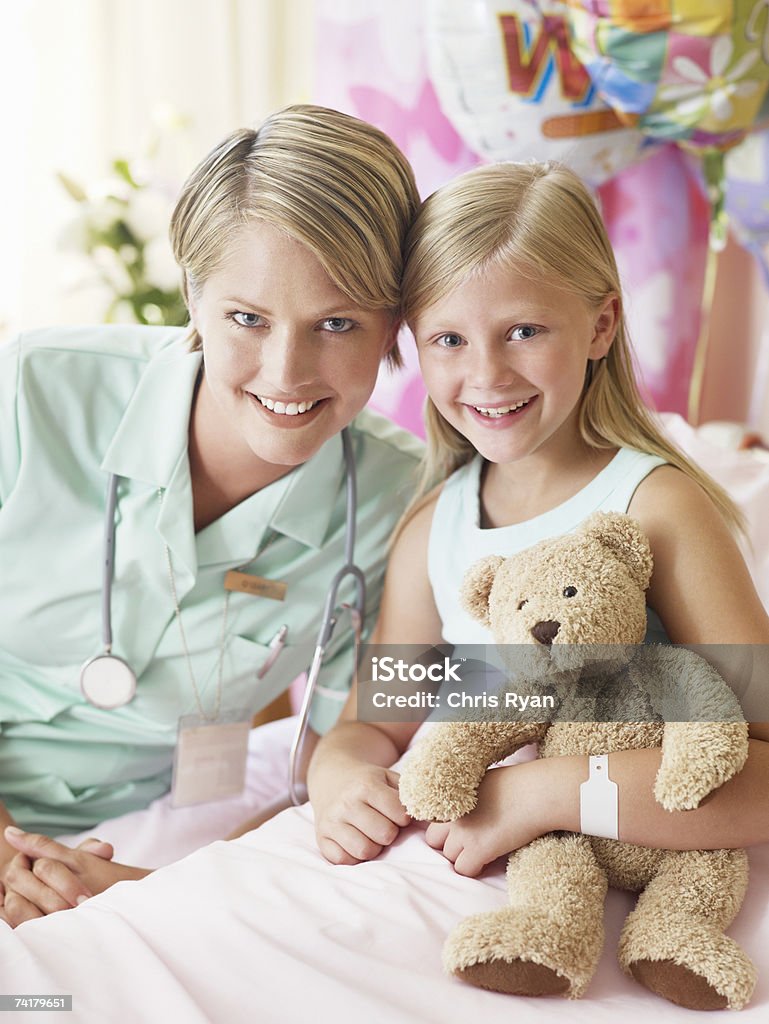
(77,404)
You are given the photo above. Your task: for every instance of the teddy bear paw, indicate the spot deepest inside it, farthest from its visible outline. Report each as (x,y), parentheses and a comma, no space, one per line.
(677,791)
(696,966)
(504,951)
(514,977)
(427,797)
(440,777)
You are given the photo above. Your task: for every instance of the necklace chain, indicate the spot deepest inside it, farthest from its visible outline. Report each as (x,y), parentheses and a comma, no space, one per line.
(271,538)
(185,647)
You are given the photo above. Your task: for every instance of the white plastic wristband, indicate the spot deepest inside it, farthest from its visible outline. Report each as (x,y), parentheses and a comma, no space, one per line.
(598,804)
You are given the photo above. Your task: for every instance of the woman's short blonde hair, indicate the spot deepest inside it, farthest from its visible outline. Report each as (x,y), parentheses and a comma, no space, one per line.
(540,221)
(333,182)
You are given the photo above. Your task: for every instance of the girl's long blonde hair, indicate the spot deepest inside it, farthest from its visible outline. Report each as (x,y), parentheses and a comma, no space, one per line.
(541,221)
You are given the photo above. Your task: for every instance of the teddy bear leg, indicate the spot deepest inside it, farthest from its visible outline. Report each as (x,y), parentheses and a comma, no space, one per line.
(547,941)
(674,942)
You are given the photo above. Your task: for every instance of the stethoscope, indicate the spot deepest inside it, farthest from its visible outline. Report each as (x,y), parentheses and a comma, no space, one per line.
(108,681)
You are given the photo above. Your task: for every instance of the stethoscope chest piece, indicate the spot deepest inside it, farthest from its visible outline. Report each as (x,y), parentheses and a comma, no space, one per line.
(107,682)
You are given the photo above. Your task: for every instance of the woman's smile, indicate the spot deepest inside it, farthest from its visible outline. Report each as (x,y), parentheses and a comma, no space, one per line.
(287,414)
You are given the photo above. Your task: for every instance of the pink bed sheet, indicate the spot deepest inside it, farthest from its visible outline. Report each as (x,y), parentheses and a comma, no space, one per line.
(263,929)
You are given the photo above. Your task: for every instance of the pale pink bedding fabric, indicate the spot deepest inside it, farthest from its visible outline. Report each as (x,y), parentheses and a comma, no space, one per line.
(263,929)
(745,477)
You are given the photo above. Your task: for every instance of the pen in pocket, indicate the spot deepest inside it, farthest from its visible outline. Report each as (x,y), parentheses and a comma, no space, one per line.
(276,645)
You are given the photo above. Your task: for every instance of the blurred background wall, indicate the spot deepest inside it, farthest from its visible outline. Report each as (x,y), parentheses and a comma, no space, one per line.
(87,81)
(108,104)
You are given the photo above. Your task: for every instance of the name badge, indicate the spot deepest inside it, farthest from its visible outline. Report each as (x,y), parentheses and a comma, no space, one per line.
(259,586)
(210,758)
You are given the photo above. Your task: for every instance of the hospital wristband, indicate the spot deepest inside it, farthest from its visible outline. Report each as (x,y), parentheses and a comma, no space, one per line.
(598,801)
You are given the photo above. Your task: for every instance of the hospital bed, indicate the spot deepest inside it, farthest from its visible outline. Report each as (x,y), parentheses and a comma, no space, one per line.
(262,929)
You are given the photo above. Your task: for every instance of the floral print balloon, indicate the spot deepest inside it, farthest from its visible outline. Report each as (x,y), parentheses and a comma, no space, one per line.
(693,73)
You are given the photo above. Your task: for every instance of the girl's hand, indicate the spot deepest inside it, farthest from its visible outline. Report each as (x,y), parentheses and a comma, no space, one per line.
(508,815)
(45,876)
(362,816)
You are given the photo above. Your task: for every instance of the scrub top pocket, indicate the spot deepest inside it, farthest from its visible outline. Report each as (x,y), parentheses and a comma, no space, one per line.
(243,660)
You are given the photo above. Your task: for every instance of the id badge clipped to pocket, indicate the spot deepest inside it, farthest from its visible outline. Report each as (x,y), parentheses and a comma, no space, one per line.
(210,758)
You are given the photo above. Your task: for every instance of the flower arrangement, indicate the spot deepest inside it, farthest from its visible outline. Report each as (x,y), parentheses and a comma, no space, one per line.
(122,231)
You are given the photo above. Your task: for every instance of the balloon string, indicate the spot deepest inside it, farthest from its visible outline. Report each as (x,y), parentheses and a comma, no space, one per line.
(713,167)
(701,348)
(757,251)
(760,392)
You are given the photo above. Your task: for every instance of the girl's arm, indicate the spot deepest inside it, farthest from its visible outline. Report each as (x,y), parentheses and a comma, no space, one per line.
(353,792)
(701,587)
(703,592)
(518,804)
(735,815)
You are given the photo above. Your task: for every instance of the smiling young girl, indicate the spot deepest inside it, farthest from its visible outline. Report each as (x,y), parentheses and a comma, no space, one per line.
(512,292)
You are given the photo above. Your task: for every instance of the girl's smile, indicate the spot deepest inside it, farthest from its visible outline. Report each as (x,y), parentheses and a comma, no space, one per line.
(498,417)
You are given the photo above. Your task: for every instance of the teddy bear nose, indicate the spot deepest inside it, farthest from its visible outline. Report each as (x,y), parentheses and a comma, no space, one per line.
(545,632)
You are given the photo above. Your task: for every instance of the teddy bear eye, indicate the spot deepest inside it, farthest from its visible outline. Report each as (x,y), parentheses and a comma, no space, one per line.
(522,603)
(569,591)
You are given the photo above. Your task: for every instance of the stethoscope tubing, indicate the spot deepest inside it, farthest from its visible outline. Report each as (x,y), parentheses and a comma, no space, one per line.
(297,791)
(108,566)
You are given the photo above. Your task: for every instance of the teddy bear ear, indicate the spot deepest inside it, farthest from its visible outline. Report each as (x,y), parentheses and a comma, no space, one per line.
(476,588)
(623,536)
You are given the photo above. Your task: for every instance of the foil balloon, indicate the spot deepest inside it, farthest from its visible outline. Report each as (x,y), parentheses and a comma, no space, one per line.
(747,203)
(692,73)
(747,193)
(508,80)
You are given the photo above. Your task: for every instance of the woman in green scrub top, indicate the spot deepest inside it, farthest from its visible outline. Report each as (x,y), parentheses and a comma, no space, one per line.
(224,441)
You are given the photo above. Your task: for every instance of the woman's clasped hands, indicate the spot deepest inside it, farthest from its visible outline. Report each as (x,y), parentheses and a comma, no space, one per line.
(45,876)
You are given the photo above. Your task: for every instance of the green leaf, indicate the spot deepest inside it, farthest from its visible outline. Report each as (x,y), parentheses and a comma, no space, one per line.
(72,188)
(123,170)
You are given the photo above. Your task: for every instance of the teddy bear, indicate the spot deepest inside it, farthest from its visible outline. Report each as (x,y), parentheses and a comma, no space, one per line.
(569,615)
